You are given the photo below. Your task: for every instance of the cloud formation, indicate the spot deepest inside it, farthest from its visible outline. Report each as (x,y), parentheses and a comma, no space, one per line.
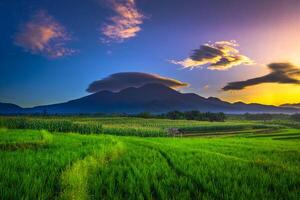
(120,81)
(285,73)
(220,55)
(125,24)
(42,34)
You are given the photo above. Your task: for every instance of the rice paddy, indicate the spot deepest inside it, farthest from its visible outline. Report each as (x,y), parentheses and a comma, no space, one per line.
(126,159)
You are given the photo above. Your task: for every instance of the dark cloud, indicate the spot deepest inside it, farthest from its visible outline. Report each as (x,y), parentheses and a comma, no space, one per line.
(285,73)
(205,52)
(220,55)
(119,81)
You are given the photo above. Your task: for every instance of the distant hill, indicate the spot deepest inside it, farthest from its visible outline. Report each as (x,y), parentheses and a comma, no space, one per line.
(8,108)
(296,105)
(154,98)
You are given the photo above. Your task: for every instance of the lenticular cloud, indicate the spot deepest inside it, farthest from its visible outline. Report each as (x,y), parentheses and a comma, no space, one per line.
(220,55)
(119,81)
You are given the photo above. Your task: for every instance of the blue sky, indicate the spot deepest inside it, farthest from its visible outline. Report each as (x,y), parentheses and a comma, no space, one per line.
(169,30)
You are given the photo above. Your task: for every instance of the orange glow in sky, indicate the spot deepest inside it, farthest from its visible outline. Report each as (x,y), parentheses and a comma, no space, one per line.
(268,93)
(274,43)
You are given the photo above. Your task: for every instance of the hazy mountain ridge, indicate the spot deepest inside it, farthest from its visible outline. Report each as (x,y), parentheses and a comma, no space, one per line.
(290,105)
(9,108)
(153,98)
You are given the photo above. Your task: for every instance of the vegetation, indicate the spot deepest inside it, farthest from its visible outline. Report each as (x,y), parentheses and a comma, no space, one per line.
(196,115)
(52,125)
(175,115)
(227,160)
(263,116)
(296,117)
(125,126)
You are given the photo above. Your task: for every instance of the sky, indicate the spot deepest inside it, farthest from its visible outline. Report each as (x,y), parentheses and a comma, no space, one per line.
(238,50)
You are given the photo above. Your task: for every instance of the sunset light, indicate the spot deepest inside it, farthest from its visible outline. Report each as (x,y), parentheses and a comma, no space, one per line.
(150,99)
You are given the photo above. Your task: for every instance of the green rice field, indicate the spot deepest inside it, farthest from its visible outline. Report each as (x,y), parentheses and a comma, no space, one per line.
(134,158)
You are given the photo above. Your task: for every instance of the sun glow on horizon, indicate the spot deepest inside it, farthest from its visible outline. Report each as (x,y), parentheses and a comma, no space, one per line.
(268,93)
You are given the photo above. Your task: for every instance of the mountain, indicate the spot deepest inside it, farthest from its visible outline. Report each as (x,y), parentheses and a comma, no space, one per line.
(296,105)
(154,98)
(8,108)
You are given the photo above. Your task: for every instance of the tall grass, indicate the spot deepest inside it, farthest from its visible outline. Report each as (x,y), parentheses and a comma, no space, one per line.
(134,131)
(35,173)
(125,126)
(224,128)
(52,125)
(74,166)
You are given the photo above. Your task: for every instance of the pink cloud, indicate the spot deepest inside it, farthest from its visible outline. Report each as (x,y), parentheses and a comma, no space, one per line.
(42,34)
(125,24)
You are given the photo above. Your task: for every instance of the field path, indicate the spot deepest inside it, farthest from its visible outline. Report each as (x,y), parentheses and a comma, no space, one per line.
(74,180)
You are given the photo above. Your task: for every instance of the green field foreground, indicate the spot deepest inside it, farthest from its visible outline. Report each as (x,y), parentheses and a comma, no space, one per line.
(130,126)
(256,163)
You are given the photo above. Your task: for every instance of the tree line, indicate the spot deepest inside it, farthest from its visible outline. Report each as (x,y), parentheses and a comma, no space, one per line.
(188,115)
(268,116)
(296,117)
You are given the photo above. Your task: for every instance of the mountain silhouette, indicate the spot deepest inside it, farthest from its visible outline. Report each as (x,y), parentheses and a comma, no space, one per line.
(154,98)
(8,108)
(291,105)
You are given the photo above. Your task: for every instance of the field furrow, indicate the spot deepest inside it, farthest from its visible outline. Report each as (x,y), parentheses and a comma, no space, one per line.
(74,180)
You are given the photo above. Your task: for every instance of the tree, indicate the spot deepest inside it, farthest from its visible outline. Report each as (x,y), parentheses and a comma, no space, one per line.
(144,115)
(174,115)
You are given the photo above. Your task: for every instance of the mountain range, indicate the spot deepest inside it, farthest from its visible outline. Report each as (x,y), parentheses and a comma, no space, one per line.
(154,98)
(289,105)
